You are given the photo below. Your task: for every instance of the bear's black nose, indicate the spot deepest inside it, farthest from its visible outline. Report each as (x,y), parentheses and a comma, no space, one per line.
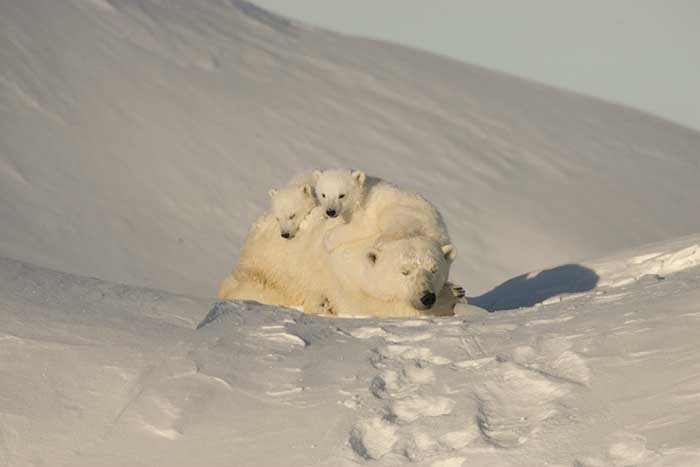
(428,299)
(286,235)
(331,213)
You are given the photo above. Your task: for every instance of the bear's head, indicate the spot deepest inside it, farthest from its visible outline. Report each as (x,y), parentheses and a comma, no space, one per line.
(411,270)
(338,191)
(290,206)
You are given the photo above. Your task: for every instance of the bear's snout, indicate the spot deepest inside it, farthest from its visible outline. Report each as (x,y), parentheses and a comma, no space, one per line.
(331,213)
(428,299)
(286,235)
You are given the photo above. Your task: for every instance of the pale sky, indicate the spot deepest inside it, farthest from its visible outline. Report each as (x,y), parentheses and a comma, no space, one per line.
(643,53)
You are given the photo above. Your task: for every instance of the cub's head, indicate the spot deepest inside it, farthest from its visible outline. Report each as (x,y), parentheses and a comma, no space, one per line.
(290,206)
(411,271)
(338,191)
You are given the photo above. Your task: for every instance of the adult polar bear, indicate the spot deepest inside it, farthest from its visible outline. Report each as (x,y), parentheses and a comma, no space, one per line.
(386,229)
(361,267)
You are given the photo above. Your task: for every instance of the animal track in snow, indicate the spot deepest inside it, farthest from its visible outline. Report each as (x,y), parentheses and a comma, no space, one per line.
(405,352)
(373,438)
(412,408)
(455,440)
(514,405)
(553,358)
(629,450)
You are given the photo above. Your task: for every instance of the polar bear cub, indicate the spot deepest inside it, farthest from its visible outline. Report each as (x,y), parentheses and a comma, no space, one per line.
(292,204)
(339,192)
(374,208)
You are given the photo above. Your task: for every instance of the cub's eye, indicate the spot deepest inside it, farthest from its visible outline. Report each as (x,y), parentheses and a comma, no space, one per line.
(323,194)
(433,270)
(341,196)
(292,216)
(405,272)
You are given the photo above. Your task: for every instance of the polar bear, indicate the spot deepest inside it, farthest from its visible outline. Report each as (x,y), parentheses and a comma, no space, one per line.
(274,270)
(397,278)
(373,208)
(339,192)
(290,205)
(401,278)
(367,248)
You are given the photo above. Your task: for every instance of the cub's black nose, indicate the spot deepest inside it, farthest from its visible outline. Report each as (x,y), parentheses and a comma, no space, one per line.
(331,213)
(428,299)
(286,235)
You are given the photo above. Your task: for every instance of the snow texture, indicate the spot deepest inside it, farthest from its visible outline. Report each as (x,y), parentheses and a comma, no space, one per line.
(95,373)
(138,140)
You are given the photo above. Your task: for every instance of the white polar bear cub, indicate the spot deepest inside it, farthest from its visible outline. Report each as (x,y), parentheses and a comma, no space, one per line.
(339,192)
(292,204)
(373,208)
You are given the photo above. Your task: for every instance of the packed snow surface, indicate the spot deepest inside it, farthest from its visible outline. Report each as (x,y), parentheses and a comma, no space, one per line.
(100,374)
(139,138)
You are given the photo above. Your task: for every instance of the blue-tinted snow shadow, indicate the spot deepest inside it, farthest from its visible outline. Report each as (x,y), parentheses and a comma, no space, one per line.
(529,289)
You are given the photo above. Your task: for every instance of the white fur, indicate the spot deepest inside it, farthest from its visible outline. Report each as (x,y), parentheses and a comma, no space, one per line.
(339,192)
(291,205)
(386,212)
(278,271)
(389,279)
(389,250)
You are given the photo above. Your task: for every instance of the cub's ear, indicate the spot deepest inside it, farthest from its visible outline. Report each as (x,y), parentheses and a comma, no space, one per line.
(272,192)
(315,174)
(359,176)
(450,252)
(307,190)
(372,256)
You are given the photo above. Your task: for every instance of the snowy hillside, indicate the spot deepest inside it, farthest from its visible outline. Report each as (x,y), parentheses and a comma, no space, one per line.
(100,374)
(138,139)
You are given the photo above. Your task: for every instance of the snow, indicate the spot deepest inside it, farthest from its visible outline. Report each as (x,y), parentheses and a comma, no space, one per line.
(138,140)
(96,373)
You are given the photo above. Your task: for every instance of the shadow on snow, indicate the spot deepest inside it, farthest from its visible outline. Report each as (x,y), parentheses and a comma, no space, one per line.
(529,289)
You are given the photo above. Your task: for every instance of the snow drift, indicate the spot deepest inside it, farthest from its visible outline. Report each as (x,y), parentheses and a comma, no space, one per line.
(138,140)
(100,374)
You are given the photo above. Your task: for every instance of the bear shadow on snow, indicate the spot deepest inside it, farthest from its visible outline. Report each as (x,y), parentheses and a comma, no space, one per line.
(529,289)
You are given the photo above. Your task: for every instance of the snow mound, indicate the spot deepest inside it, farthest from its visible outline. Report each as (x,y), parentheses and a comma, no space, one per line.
(658,259)
(654,261)
(96,373)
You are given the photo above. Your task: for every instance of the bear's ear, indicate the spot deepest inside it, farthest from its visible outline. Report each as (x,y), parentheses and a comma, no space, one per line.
(450,252)
(372,256)
(272,192)
(306,189)
(359,176)
(316,174)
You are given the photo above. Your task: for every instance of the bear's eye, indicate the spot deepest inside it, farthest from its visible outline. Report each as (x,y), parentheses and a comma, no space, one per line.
(341,196)
(292,216)
(323,194)
(405,272)
(433,270)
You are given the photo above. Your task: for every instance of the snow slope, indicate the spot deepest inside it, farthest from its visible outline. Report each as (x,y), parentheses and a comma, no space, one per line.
(138,139)
(99,374)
